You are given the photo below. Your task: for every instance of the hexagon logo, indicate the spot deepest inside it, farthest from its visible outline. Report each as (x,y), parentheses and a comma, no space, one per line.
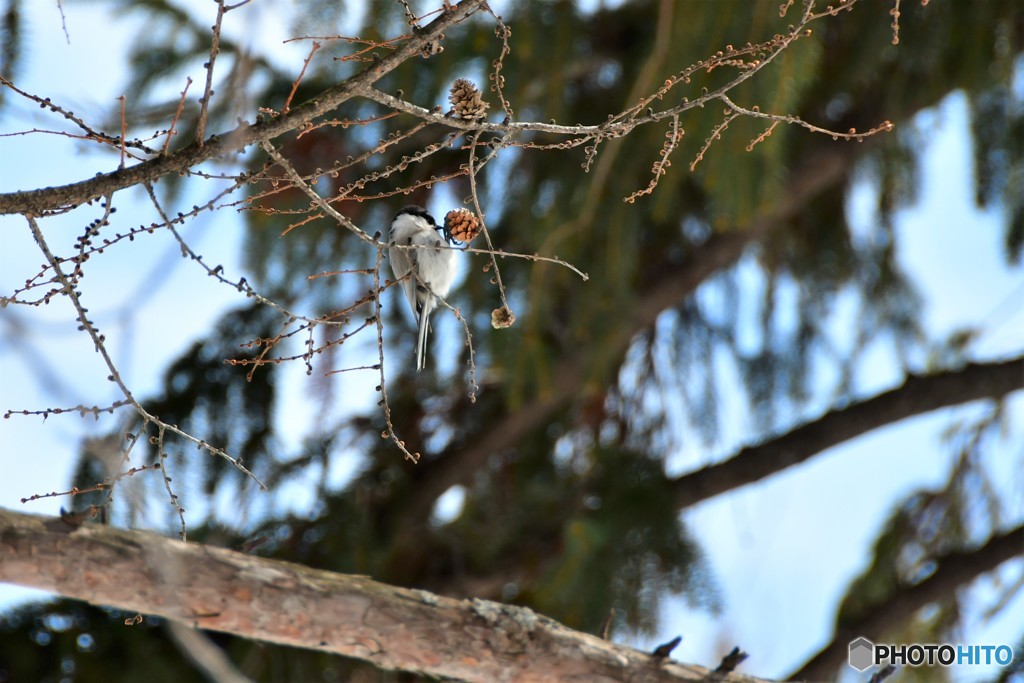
(862,653)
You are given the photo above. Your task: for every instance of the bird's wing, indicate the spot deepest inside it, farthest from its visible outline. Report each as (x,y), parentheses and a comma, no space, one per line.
(403,263)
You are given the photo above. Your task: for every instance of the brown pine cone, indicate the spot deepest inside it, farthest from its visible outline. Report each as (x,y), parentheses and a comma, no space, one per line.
(466,100)
(462,225)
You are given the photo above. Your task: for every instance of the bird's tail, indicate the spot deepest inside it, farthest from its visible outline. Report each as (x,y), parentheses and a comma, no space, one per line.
(421,342)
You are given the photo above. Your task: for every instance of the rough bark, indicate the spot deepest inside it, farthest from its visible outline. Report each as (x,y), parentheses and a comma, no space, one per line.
(918,394)
(289,604)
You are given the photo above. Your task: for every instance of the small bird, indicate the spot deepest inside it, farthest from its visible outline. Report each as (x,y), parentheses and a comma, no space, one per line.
(430,266)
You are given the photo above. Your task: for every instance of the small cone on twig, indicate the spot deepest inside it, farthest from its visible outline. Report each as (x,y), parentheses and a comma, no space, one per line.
(466,100)
(502,318)
(462,224)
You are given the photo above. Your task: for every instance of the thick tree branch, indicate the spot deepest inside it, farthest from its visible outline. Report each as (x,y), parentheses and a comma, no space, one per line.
(38,202)
(289,604)
(918,394)
(954,570)
(52,199)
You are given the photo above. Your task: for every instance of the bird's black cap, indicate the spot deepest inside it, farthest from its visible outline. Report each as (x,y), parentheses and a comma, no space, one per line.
(415,210)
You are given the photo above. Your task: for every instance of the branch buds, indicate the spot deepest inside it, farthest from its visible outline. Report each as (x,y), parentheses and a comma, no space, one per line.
(462,224)
(466,100)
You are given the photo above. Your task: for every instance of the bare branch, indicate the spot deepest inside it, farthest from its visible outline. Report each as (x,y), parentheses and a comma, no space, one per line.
(50,199)
(389,432)
(954,571)
(319,201)
(68,288)
(278,602)
(748,60)
(918,394)
(204,101)
(177,115)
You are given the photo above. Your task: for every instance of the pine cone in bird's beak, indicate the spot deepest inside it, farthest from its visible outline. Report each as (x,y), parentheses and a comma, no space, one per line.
(462,224)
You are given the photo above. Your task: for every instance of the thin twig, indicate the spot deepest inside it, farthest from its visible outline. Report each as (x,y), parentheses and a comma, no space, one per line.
(320,202)
(63,21)
(755,112)
(503,33)
(673,138)
(80,409)
(471,361)
(618,125)
(101,486)
(89,132)
(483,223)
(529,257)
(389,432)
(295,85)
(159,442)
(177,115)
(124,131)
(208,92)
(115,377)
(716,133)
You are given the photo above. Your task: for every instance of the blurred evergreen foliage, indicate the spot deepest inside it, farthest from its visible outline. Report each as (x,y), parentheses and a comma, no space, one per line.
(576,517)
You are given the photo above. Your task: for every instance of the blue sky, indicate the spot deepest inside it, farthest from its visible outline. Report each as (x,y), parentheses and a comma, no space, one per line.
(764,542)
(767,543)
